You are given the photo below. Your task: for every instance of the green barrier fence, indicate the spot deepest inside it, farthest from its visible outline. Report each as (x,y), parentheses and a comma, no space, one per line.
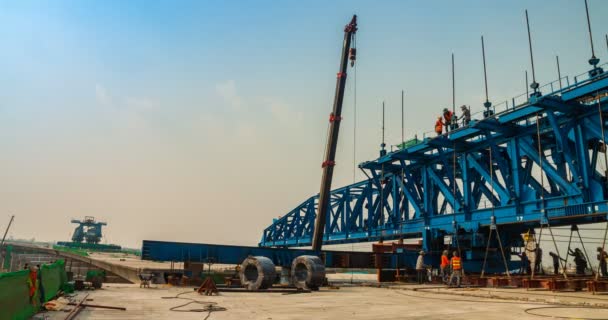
(77,251)
(15,296)
(15,300)
(52,278)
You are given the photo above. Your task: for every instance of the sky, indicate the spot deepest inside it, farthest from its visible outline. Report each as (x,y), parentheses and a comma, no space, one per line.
(201,121)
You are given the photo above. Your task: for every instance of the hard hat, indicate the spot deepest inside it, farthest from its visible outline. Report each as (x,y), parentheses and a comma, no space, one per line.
(421,251)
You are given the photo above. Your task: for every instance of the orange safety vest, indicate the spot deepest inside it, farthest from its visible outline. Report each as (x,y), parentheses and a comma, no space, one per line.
(31,281)
(448,116)
(444,261)
(438,126)
(456,263)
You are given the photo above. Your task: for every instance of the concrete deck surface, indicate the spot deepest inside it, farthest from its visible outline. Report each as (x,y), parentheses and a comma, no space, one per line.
(348,302)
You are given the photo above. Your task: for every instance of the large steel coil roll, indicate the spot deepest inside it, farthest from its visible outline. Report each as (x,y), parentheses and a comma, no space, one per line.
(257,273)
(308,272)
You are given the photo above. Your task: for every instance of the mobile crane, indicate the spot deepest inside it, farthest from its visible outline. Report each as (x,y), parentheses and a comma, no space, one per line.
(348,53)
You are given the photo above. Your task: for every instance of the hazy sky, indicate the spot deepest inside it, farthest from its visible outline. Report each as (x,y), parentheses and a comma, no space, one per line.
(201,121)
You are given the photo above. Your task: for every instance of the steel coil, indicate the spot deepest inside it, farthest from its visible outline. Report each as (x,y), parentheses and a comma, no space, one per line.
(308,272)
(257,273)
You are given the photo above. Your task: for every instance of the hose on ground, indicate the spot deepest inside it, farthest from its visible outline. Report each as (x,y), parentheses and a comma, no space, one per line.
(209,306)
(530,312)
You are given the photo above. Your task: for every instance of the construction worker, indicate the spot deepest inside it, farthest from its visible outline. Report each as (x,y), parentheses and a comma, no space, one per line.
(579,260)
(556,259)
(420,267)
(538,259)
(438,126)
(456,264)
(525,264)
(445,266)
(447,116)
(602,256)
(466,115)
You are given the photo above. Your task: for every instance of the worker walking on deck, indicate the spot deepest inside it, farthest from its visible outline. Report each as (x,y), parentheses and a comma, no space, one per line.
(447,117)
(438,126)
(456,264)
(420,268)
(602,256)
(445,266)
(466,115)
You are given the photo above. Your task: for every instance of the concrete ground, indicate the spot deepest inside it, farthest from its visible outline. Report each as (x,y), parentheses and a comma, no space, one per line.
(347,302)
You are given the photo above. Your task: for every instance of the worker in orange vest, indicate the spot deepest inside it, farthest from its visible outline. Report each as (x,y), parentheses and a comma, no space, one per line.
(456,269)
(444,266)
(438,126)
(447,116)
(31,282)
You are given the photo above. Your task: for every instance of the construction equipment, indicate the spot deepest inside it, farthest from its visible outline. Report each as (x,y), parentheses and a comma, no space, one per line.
(334,127)
(88,230)
(544,169)
(88,236)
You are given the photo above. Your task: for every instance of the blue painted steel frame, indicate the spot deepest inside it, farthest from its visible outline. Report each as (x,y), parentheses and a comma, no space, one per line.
(226,254)
(446,184)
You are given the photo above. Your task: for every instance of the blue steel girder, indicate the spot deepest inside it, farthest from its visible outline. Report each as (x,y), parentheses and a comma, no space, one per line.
(409,191)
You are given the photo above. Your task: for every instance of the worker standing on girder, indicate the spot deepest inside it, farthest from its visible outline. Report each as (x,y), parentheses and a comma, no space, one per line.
(420,267)
(556,259)
(525,263)
(538,260)
(579,260)
(602,256)
(456,264)
(447,117)
(445,266)
(438,126)
(466,115)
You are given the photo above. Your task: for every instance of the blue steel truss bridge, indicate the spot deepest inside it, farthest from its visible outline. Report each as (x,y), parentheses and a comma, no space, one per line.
(538,163)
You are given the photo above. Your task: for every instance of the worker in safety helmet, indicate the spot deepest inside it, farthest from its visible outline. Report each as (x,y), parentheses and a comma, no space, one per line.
(447,116)
(444,266)
(438,126)
(456,264)
(466,115)
(420,267)
(579,260)
(602,256)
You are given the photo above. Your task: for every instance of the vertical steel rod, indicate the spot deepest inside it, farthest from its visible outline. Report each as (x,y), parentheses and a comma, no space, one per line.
(559,74)
(589,27)
(527,86)
(402,120)
(453,89)
(531,55)
(383,144)
(485,75)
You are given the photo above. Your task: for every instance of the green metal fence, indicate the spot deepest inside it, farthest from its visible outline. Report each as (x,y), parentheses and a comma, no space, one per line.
(21,291)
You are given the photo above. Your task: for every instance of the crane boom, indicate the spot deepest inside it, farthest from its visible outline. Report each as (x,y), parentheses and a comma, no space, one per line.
(334,127)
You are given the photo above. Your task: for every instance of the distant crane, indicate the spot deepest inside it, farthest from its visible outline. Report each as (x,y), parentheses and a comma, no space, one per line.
(88,230)
(334,127)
